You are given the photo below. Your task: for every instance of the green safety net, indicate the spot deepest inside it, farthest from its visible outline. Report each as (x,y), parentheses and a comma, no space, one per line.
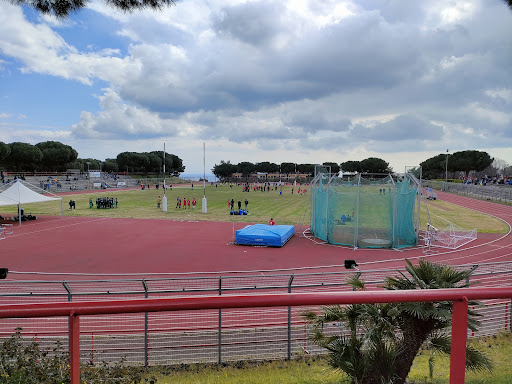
(364,213)
(319,204)
(406,194)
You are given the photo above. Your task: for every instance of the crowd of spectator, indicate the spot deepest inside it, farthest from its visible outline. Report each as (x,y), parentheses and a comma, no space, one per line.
(7,181)
(486,180)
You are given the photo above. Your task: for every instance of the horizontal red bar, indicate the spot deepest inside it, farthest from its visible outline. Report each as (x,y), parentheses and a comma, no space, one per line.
(247,301)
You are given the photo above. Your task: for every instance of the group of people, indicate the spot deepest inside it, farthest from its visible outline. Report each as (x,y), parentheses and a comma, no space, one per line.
(300,192)
(16,177)
(496,179)
(185,202)
(104,203)
(231,205)
(157,186)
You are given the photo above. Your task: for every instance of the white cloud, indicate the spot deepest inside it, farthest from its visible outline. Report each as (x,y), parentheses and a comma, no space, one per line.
(504,94)
(42,50)
(299,78)
(118,119)
(33,135)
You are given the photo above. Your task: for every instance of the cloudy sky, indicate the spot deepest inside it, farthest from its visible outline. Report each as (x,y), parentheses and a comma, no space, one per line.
(303,81)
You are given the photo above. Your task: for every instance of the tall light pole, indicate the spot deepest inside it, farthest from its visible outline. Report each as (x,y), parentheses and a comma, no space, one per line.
(88,176)
(203,205)
(164,200)
(446,174)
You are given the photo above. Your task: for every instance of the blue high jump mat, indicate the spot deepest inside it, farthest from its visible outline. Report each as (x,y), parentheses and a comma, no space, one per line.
(265,235)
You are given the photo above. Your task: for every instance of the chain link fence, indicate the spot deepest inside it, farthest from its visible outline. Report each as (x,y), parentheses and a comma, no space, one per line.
(209,336)
(495,192)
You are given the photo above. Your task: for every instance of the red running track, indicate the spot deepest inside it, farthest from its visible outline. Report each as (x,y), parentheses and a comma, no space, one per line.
(61,247)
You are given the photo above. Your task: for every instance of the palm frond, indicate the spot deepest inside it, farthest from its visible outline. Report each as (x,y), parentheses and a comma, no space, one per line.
(477,361)
(413,271)
(431,365)
(440,343)
(355,282)
(399,283)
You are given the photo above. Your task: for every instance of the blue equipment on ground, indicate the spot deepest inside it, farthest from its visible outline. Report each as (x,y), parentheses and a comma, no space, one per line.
(265,235)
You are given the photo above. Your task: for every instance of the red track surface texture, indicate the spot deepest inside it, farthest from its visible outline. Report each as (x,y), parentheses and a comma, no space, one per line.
(153,248)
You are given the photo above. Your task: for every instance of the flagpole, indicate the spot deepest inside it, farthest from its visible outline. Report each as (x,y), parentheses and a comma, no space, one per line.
(19,202)
(204,209)
(164,200)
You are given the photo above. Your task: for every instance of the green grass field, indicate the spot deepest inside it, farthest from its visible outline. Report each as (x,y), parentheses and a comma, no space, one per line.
(136,203)
(287,208)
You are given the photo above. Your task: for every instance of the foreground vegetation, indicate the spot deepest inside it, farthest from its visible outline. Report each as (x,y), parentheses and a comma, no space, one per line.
(317,371)
(23,363)
(287,208)
(382,340)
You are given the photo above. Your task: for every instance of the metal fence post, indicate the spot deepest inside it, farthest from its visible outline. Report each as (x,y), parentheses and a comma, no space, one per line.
(220,325)
(290,320)
(70,298)
(146,327)
(473,269)
(68,289)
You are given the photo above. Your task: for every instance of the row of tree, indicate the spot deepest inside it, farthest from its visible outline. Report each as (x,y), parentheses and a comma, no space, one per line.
(49,155)
(463,161)
(371,165)
(149,162)
(432,168)
(53,156)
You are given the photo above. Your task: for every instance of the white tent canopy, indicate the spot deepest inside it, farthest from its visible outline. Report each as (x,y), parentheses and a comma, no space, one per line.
(18,194)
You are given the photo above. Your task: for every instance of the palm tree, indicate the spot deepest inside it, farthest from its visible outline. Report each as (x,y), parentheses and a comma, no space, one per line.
(380,341)
(63,8)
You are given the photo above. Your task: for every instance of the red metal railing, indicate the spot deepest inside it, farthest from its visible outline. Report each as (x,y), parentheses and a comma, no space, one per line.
(459,297)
